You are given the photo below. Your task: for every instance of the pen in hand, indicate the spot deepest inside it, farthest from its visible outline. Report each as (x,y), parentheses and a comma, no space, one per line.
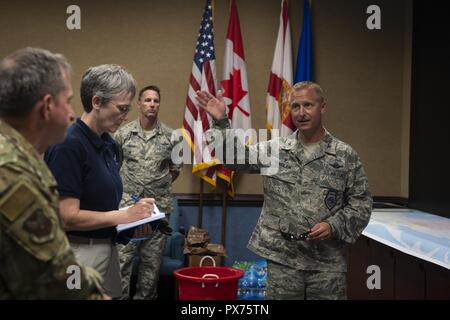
(135,198)
(142,207)
(161,224)
(144,231)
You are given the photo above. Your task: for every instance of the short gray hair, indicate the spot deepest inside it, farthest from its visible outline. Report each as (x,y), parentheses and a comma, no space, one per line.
(26,76)
(303,85)
(105,81)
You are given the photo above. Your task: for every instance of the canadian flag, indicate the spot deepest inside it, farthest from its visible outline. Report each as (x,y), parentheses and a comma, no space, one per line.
(234,83)
(280,81)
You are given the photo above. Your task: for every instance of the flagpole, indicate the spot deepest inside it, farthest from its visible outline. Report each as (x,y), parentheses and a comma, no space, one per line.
(224,221)
(200,206)
(224,215)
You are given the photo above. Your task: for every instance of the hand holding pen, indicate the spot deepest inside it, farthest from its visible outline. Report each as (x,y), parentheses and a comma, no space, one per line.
(143,231)
(142,209)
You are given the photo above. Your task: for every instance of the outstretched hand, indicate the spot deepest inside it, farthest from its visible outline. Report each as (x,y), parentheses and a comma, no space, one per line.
(215,106)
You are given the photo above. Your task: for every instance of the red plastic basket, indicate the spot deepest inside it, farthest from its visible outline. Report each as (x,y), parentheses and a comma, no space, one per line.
(207,283)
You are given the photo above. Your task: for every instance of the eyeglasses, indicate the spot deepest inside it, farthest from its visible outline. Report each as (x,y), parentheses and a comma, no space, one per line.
(123,109)
(295,236)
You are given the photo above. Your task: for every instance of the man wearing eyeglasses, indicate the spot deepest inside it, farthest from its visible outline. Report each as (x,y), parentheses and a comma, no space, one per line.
(147,171)
(314,204)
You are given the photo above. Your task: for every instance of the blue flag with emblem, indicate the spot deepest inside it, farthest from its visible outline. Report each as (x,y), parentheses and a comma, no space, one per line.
(304,55)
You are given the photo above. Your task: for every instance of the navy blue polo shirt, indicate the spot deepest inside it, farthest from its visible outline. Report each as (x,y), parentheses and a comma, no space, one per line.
(86,167)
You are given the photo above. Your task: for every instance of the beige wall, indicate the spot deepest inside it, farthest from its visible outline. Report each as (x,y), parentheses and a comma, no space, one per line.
(366,74)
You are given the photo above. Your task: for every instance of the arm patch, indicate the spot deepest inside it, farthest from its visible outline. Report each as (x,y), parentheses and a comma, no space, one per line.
(16,200)
(32,222)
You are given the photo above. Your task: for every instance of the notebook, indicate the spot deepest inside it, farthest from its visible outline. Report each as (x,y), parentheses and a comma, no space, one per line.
(156,215)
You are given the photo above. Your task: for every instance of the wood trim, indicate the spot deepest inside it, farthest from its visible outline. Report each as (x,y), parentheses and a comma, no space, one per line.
(215,200)
(256,200)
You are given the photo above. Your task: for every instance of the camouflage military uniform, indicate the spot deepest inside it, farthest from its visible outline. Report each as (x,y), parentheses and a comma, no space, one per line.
(145,171)
(329,186)
(34,250)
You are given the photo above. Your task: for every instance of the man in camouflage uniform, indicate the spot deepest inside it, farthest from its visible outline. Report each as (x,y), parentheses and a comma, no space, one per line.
(36,261)
(315,202)
(147,171)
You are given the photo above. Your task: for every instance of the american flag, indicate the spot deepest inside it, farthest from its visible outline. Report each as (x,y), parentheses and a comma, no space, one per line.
(196,120)
(280,81)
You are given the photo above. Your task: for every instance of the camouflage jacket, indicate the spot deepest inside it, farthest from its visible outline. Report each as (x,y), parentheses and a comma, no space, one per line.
(299,192)
(35,255)
(146,163)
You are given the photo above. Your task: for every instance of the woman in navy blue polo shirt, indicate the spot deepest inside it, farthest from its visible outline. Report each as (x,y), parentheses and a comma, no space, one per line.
(86,167)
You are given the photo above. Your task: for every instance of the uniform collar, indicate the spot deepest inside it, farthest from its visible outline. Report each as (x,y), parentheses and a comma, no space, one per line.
(326,146)
(143,134)
(13,134)
(35,163)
